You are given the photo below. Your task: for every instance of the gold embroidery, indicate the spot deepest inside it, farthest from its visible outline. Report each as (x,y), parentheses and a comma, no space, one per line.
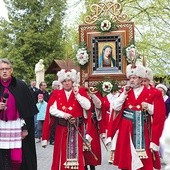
(138,106)
(70,108)
(64,107)
(130,106)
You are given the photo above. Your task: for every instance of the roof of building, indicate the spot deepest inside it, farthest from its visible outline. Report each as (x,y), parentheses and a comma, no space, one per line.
(57,65)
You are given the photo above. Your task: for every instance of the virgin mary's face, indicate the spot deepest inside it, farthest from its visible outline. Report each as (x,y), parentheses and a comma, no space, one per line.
(107,52)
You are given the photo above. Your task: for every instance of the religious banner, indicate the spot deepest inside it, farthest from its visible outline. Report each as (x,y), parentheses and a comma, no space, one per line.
(106,33)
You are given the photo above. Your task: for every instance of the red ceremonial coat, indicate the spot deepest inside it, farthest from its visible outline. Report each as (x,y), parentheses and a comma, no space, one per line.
(105,112)
(72,107)
(152,130)
(106,108)
(93,130)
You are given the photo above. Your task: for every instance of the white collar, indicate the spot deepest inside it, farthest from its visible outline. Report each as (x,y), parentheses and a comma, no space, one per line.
(68,93)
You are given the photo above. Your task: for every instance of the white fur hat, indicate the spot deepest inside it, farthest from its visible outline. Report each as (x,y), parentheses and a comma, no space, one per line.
(148,74)
(138,71)
(67,75)
(78,77)
(162,86)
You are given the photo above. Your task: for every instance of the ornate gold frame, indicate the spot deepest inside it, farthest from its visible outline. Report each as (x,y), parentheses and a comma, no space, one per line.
(89,30)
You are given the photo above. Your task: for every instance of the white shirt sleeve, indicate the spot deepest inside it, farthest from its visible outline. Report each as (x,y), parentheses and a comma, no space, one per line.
(117,104)
(56,112)
(97,102)
(150,109)
(83,101)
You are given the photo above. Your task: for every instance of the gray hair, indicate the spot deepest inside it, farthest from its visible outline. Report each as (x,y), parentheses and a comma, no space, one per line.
(56,82)
(6,61)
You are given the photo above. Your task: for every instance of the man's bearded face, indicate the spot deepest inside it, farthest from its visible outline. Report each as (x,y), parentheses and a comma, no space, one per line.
(135,81)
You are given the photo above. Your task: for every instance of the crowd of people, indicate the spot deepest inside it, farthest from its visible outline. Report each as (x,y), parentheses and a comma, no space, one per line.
(131,121)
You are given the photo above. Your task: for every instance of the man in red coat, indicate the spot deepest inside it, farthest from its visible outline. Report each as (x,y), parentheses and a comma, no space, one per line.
(108,100)
(93,132)
(67,108)
(138,138)
(157,97)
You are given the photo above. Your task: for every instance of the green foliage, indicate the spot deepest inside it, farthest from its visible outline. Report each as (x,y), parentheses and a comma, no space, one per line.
(34,31)
(152,29)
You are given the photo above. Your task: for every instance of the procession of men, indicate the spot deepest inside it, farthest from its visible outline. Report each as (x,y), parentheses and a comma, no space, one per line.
(136,115)
(106,106)
(83,120)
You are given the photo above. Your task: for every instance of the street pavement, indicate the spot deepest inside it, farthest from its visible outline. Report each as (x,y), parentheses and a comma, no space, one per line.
(44,158)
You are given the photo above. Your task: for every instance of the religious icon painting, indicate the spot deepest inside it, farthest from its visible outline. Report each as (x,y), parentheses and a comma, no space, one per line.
(105,49)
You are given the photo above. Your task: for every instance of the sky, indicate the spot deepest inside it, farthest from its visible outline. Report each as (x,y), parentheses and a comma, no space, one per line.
(3,10)
(72,5)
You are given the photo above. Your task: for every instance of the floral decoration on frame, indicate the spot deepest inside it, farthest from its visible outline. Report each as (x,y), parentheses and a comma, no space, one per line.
(106,25)
(107,87)
(82,56)
(131,53)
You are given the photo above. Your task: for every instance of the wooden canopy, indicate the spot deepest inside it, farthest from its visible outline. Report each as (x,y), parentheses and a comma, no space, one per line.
(57,65)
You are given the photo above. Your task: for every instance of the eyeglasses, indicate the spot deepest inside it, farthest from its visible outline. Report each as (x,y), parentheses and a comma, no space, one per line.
(5,69)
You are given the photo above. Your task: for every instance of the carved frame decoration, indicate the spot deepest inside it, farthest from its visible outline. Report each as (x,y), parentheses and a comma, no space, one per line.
(112,9)
(95,40)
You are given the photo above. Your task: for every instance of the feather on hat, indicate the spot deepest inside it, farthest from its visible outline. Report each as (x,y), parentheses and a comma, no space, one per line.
(134,68)
(148,73)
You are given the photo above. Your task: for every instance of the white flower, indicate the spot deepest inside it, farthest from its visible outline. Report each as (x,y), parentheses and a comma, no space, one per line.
(82,56)
(107,87)
(105,25)
(131,53)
